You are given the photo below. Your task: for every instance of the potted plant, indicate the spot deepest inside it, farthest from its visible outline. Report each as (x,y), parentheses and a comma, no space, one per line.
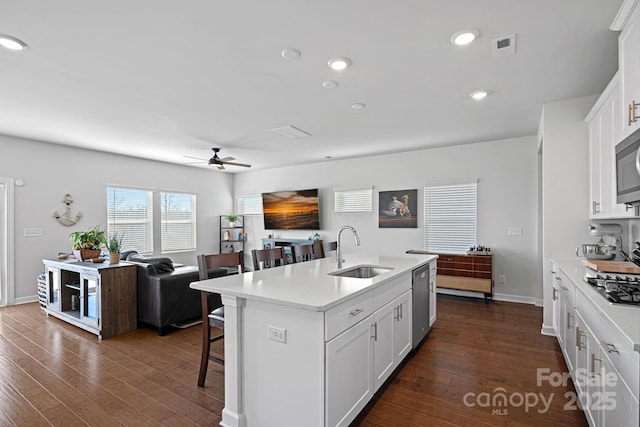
(87,244)
(232,220)
(114,247)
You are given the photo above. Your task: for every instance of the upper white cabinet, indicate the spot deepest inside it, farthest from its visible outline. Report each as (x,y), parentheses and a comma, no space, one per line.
(629,65)
(604,134)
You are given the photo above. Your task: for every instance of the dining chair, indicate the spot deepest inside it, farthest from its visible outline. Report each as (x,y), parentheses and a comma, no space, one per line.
(302,253)
(267,258)
(321,248)
(210,266)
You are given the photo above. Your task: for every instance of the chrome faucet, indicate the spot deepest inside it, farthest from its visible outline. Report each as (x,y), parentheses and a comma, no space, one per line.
(339,252)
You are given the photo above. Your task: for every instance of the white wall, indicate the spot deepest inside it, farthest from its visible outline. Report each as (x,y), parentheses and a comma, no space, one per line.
(49,171)
(565,186)
(507,173)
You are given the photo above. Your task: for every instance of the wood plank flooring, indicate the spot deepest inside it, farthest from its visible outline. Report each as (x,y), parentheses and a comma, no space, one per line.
(54,374)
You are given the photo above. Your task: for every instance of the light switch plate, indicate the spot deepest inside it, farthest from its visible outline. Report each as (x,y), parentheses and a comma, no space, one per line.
(32,232)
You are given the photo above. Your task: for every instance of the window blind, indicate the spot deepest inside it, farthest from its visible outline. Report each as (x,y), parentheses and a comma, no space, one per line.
(249,204)
(357,200)
(130,214)
(178,221)
(450,215)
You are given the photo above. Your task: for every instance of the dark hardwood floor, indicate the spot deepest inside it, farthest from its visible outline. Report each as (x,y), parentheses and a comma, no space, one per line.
(55,374)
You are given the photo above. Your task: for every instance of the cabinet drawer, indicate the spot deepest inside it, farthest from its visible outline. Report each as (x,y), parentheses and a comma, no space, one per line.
(611,340)
(389,291)
(482,260)
(465,283)
(347,314)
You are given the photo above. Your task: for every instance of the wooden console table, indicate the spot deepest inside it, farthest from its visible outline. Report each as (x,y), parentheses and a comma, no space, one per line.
(473,273)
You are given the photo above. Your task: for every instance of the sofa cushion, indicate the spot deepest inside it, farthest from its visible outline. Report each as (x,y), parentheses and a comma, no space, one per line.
(159,264)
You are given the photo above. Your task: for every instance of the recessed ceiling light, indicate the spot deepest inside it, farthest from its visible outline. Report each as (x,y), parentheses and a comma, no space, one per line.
(463,38)
(290,53)
(479,94)
(358,106)
(330,84)
(12,43)
(339,64)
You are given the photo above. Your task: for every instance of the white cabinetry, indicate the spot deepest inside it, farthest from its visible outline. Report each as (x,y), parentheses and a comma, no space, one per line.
(564,317)
(604,133)
(607,381)
(363,356)
(629,65)
(432,293)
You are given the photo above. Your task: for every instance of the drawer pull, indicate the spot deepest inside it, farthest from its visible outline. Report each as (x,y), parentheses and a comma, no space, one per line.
(375,331)
(355,312)
(594,359)
(569,316)
(610,347)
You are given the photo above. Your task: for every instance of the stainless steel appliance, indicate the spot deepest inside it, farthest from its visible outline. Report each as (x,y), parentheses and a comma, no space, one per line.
(421,313)
(608,247)
(617,288)
(628,170)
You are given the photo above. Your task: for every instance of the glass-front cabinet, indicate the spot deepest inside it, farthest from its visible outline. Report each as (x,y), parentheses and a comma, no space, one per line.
(100,298)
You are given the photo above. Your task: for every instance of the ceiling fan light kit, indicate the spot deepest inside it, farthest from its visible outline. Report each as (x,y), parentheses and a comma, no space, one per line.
(12,43)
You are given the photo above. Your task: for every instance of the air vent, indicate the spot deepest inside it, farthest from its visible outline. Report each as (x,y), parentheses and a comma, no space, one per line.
(290,132)
(504,46)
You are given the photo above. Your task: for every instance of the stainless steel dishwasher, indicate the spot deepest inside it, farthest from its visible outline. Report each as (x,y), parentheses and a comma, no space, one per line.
(421,315)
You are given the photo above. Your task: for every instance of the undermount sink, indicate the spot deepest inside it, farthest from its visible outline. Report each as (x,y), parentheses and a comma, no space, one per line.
(362,271)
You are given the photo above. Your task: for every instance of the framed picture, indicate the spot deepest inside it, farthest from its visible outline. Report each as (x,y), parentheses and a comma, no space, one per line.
(398,209)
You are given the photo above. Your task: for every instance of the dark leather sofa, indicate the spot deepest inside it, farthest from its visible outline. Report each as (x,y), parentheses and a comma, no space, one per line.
(164,295)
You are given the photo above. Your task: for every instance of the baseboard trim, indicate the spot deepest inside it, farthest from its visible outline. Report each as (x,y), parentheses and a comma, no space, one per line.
(26,300)
(548,330)
(498,297)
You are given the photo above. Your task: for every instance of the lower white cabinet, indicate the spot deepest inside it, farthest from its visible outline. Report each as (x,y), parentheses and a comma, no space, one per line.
(361,359)
(604,368)
(349,383)
(432,293)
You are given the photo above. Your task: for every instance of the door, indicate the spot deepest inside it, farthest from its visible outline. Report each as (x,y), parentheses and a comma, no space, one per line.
(383,351)
(90,299)
(402,333)
(6,242)
(421,303)
(349,383)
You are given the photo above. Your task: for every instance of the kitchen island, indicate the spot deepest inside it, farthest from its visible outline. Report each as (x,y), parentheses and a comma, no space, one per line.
(305,347)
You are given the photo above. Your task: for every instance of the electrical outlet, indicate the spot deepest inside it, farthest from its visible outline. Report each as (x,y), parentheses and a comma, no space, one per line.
(277,334)
(515,231)
(501,279)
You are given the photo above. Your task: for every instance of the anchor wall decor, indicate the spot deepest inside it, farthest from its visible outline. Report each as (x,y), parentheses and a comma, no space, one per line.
(65,218)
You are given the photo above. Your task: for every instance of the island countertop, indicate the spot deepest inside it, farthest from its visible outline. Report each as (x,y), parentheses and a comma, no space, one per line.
(307,285)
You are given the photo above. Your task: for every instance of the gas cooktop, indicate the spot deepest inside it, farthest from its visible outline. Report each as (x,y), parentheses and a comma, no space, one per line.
(616,288)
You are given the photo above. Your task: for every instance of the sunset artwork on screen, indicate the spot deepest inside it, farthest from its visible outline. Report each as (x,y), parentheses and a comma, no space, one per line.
(291,210)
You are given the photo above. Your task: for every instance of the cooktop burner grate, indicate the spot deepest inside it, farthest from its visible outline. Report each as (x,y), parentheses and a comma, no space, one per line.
(616,289)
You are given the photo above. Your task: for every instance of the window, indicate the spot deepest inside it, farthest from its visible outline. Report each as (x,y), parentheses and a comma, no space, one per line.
(249,205)
(450,214)
(178,221)
(130,213)
(356,200)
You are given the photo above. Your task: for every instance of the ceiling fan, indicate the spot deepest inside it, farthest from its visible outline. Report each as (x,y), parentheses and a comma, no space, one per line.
(220,162)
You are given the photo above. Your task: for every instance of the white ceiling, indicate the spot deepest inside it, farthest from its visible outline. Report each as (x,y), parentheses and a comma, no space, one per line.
(162,79)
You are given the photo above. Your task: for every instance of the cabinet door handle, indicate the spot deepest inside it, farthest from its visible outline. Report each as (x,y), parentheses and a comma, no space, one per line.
(611,348)
(555,294)
(569,316)
(396,313)
(579,335)
(355,312)
(632,112)
(594,359)
(400,310)
(375,331)
(594,207)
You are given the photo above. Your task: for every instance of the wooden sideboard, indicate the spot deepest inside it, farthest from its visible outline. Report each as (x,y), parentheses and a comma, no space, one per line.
(473,273)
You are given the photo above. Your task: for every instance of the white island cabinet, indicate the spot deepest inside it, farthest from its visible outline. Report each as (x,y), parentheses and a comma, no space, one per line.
(303,347)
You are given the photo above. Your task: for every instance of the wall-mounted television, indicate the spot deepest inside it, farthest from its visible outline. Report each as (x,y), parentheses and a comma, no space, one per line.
(291,210)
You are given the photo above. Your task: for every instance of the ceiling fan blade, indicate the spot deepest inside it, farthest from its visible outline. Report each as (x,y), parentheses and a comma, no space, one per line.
(197,158)
(244,165)
(227,159)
